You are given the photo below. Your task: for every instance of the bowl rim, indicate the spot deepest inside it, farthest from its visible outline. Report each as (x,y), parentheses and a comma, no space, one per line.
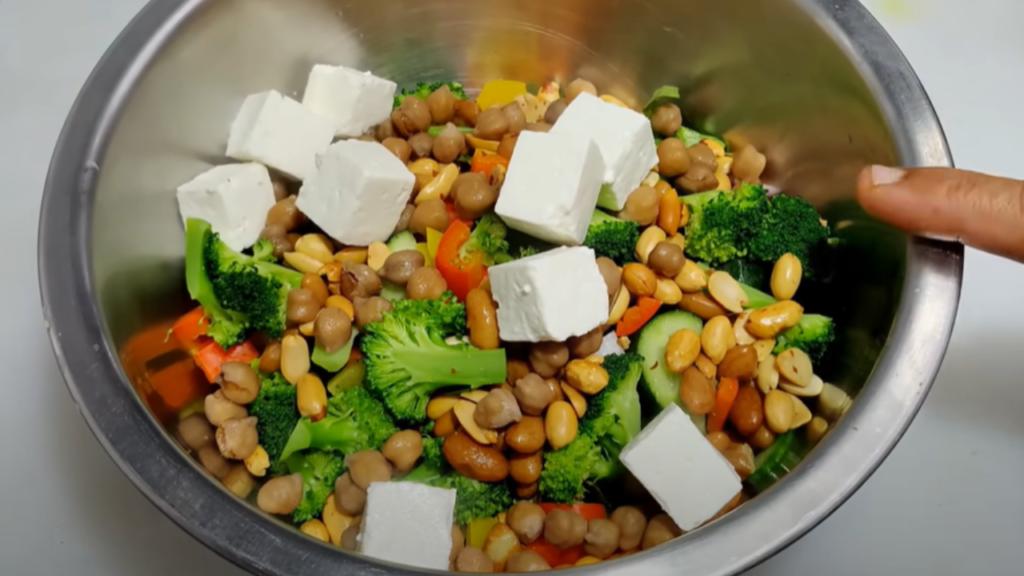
(175,484)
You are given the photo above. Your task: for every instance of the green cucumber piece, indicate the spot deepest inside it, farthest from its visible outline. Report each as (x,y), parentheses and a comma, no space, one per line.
(337,360)
(351,376)
(661,383)
(404,240)
(775,462)
(392,292)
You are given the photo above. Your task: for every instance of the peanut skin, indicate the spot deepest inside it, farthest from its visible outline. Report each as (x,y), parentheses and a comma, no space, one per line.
(474,460)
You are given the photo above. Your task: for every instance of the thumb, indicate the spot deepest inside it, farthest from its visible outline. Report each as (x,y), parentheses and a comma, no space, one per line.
(985,212)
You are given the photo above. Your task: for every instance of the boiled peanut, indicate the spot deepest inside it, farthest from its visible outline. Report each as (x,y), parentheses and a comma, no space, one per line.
(668,292)
(526,436)
(739,327)
(691,278)
(586,376)
(525,468)
(747,412)
(770,321)
(697,392)
(482,320)
(816,429)
(669,211)
(778,411)
(717,338)
(795,366)
(579,403)
(639,279)
(648,240)
(786,276)
(701,305)
(812,390)
(727,291)
(739,362)
(767,375)
(561,424)
(682,350)
(706,366)
(801,414)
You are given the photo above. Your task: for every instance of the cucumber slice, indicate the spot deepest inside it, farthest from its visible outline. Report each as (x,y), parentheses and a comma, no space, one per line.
(776,461)
(392,292)
(661,383)
(336,361)
(402,241)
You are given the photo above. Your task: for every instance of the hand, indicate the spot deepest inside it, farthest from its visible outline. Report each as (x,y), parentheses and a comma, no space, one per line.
(985,212)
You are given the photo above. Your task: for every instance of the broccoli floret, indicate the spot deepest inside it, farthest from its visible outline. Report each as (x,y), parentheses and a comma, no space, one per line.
(722,224)
(488,240)
(237,292)
(319,470)
(611,237)
(424,89)
(355,421)
(407,358)
(568,472)
(473,499)
(275,411)
(432,455)
(813,334)
(527,251)
(611,422)
(791,225)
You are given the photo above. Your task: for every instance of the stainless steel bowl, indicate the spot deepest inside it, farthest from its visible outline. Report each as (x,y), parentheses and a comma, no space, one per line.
(817,84)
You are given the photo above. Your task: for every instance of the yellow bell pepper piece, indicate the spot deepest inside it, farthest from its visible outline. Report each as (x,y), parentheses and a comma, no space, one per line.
(422,248)
(500,92)
(477,531)
(433,241)
(715,147)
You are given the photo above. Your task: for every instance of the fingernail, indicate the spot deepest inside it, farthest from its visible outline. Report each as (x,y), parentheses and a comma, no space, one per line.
(884,175)
(941,237)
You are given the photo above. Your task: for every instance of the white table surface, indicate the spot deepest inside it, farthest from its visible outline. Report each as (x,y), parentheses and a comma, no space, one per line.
(947,501)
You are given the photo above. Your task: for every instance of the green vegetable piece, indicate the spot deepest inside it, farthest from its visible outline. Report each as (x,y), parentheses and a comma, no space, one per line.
(489,238)
(337,360)
(691,137)
(403,240)
(424,89)
(661,96)
(813,334)
(612,237)
(275,411)
(319,471)
(355,422)
(392,292)
(660,383)
(351,376)
(775,462)
(435,131)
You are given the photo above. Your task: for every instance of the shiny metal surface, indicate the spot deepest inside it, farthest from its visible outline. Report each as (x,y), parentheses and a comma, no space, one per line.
(816,84)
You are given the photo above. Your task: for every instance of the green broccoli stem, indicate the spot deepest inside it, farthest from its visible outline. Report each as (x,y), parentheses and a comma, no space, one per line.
(199,286)
(330,433)
(452,366)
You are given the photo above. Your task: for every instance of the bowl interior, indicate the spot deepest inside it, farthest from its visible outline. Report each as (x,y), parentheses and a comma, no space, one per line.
(771,73)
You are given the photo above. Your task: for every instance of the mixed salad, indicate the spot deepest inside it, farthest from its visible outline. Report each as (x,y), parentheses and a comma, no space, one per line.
(523,331)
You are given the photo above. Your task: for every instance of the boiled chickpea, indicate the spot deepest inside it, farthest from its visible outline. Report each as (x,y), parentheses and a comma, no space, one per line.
(399,147)
(701,154)
(526,519)
(666,120)
(564,529)
(577,87)
(466,112)
(405,218)
(659,530)
(359,281)
(399,266)
(673,159)
(537,127)
(421,144)
(426,284)
(349,498)
(472,560)
(641,206)
(367,467)
(534,394)
(219,409)
(195,431)
(213,461)
(698,178)
(516,119)
(449,144)
(458,543)
(239,382)
(527,561)
(412,117)
(302,306)
(748,165)
(332,329)
(492,124)
(507,145)
(350,538)
(370,310)
(474,196)
(280,495)
(602,538)
(441,103)
(384,130)
(277,236)
(761,439)
(497,410)
(632,524)
(554,111)
(403,449)
(430,214)
(547,358)
(237,439)
(587,344)
(666,259)
(612,275)
(286,214)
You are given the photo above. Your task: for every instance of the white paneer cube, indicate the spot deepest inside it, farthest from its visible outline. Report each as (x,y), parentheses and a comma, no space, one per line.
(234,199)
(625,140)
(551,187)
(355,101)
(277,131)
(358,192)
(682,470)
(549,297)
(408,523)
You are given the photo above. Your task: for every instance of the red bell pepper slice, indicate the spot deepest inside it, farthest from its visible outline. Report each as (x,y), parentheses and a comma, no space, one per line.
(636,316)
(588,511)
(210,357)
(461,274)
